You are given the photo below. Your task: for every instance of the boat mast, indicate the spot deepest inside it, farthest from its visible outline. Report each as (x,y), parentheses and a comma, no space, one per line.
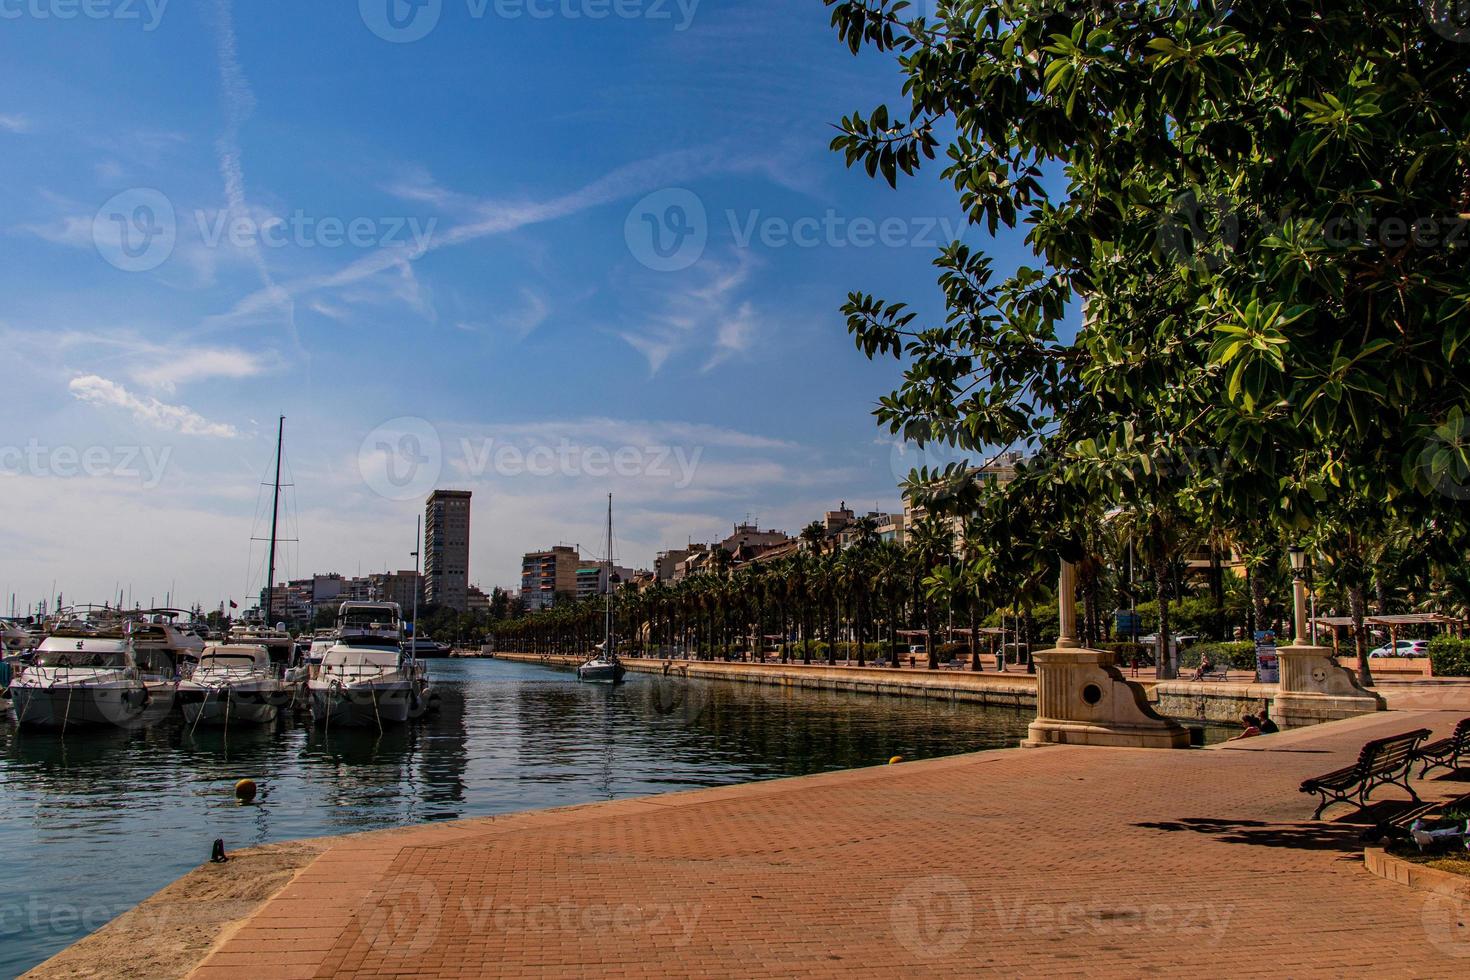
(608,636)
(270,577)
(413,624)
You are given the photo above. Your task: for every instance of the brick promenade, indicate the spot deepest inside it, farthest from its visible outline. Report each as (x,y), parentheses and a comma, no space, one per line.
(1050,862)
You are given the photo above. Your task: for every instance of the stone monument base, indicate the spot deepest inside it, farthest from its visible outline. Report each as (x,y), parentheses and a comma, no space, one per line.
(1315,688)
(1082,699)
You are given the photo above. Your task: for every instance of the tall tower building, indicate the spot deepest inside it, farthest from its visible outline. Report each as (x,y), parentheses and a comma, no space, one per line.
(447,549)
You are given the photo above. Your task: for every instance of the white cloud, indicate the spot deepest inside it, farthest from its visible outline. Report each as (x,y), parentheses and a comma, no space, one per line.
(165,372)
(705,314)
(100,391)
(14,123)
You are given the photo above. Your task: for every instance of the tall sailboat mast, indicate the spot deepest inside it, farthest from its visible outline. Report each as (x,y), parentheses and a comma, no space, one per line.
(608,635)
(270,575)
(413,624)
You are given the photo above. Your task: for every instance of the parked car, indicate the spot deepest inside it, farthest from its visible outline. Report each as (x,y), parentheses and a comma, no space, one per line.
(1403,648)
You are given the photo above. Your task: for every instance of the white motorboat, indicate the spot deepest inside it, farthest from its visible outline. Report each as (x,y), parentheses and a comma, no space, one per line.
(81,678)
(605,667)
(288,666)
(365,680)
(234,683)
(13,638)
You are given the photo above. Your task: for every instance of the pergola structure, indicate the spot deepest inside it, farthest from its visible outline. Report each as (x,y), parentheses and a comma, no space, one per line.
(1392,623)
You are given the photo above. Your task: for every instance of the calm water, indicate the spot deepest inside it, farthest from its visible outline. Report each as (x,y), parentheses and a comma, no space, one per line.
(94,822)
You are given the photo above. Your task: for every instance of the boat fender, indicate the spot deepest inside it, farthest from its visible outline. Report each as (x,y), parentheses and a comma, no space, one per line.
(895,760)
(245,791)
(217,854)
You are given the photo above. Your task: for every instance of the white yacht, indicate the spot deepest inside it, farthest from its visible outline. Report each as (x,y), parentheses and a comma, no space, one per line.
(80,677)
(234,682)
(13,638)
(288,666)
(365,680)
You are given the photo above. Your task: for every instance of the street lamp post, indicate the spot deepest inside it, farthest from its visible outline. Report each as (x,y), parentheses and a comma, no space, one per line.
(1299,592)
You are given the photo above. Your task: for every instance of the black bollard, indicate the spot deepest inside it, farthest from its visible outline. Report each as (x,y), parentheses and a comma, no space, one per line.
(217,856)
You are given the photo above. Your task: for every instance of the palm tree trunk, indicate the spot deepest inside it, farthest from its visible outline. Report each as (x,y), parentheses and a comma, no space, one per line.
(1163,656)
(1360,635)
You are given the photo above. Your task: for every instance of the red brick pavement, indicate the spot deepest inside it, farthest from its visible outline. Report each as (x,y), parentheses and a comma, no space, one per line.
(1052,862)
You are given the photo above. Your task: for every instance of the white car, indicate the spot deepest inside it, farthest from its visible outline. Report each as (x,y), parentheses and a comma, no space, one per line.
(1403,648)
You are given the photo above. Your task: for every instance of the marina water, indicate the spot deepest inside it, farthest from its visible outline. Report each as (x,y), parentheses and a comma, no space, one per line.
(93,822)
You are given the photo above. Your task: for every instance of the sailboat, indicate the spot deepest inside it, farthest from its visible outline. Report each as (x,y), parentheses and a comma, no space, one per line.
(605,667)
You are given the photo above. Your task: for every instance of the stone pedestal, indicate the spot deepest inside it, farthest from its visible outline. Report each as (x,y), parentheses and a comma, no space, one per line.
(1314,689)
(1081,699)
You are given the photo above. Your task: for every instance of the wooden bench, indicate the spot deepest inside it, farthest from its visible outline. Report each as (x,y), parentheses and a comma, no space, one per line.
(1447,752)
(1381,761)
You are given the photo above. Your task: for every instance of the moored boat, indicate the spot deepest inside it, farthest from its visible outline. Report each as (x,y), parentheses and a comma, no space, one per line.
(81,678)
(235,683)
(365,679)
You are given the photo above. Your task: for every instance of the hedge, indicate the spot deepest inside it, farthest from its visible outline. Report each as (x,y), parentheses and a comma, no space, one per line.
(1238,655)
(1449,656)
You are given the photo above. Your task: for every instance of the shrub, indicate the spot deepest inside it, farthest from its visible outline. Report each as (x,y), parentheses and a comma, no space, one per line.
(1449,656)
(1125,652)
(1239,656)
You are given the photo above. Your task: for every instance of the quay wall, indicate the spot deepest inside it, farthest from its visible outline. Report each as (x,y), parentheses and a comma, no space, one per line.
(1005,690)
(1210,701)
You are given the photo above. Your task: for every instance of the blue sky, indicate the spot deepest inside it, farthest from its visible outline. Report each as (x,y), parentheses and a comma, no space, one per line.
(435,255)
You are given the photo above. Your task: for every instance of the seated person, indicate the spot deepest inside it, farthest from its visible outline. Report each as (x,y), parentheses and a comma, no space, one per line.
(1206,666)
(1248,722)
(1266,725)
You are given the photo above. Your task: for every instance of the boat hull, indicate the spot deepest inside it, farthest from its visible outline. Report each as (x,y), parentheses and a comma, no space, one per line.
(88,707)
(361,705)
(233,707)
(601,672)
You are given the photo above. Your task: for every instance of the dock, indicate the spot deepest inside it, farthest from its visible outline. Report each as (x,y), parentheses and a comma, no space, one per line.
(1059,861)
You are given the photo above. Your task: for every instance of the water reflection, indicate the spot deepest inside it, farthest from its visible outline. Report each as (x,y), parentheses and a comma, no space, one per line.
(147,804)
